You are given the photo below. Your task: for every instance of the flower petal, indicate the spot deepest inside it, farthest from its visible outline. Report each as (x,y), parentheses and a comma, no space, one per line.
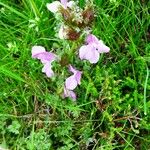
(77,74)
(91,39)
(82,51)
(98,44)
(47,69)
(36,50)
(102,48)
(64,3)
(54,6)
(71,83)
(47,56)
(78,77)
(40,53)
(90,53)
(72,95)
(68,93)
(71,69)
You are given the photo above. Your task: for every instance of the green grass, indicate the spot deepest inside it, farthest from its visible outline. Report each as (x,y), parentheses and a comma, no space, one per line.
(113,106)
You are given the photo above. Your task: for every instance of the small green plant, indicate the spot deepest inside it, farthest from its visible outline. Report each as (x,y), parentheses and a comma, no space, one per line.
(14,127)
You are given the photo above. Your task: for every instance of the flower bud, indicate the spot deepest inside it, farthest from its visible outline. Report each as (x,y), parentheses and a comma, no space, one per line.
(88,15)
(66,14)
(73,35)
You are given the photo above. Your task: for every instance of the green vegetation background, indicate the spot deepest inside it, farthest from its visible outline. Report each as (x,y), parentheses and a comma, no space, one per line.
(113,106)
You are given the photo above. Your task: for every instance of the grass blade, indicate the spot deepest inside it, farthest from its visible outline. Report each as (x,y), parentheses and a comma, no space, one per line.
(145,86)
(11,74)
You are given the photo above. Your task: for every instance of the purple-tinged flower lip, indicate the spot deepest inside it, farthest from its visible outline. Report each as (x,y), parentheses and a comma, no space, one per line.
(102,48)
(48,56)
(90,53)
(45,57)
(69,93)
(36,50)
(73,70)
(72,81)
(39,52)
(91,39)
(47,69)
(98,44)
(77,73)
(78,77)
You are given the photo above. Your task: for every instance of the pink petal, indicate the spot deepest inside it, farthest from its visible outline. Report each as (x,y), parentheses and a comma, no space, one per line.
(47,69)
(71,69)
(40,53)
(78,77)
(36,50)
(98,44)
(68,93)
(47,56)
(102,48)
(90,53)
(77,74)
(91,39)
(83,51)
(71,83)
(73,95)
(54,6)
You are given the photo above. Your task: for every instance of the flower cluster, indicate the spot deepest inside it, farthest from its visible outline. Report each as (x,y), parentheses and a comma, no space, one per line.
(72,20)
(74,26)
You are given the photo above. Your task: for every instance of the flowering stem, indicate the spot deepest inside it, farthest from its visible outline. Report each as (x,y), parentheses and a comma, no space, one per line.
(72,50)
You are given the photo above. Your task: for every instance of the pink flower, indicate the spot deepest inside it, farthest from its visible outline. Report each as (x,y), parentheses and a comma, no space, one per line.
(54,6)
(46,58)
(72,82)
(93,48)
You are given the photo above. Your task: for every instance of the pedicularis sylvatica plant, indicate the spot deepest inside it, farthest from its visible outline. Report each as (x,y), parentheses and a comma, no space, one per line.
(74,29)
